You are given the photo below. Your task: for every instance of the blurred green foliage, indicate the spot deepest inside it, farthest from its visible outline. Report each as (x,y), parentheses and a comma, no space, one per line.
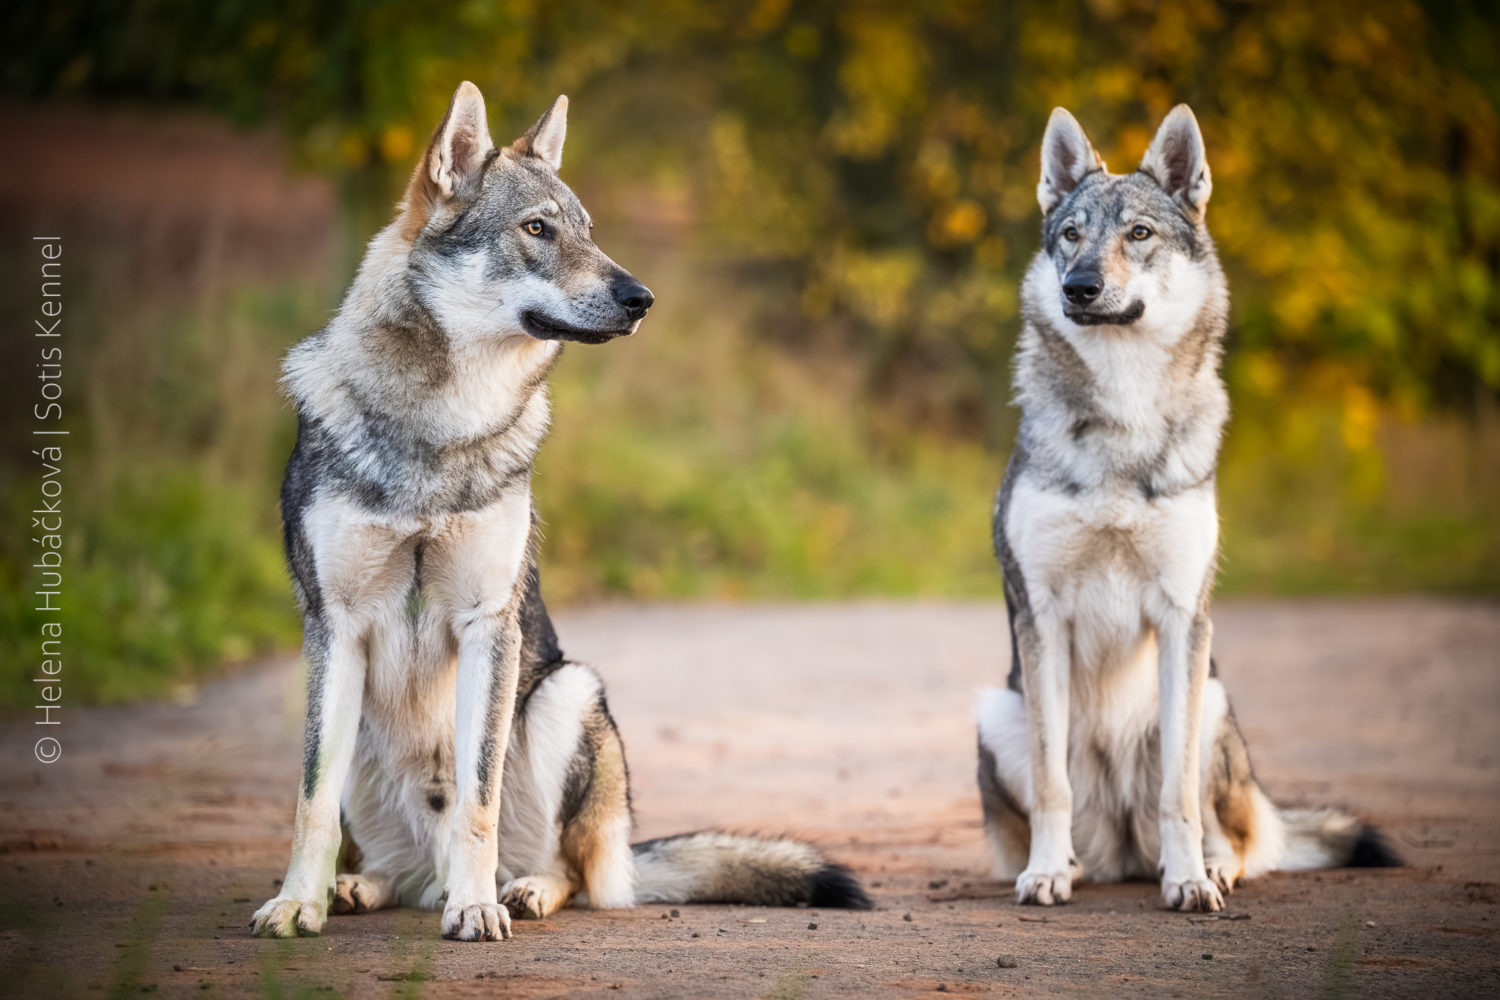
(834,202)
(880,157)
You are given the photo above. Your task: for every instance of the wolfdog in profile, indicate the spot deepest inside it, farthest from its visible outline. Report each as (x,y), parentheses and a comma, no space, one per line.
(453,756)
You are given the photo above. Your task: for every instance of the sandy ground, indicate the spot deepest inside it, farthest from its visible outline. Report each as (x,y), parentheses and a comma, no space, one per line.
(133,863)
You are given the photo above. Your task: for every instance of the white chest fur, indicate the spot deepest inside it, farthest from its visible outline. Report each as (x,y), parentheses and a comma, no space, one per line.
(367,563)
(1110,562)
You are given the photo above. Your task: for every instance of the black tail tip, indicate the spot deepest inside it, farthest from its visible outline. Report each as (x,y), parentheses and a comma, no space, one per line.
(835,887)
(1372,849)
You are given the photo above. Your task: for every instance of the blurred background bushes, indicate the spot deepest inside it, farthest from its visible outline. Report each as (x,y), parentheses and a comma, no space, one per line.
(833,202)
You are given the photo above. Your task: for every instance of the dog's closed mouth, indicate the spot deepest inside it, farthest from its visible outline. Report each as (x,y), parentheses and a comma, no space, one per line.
(1086,317)
(546,328)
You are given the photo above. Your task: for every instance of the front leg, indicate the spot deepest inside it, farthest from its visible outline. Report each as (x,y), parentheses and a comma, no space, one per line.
(334,650)
(489,663)
(1043,648)
(1184,642)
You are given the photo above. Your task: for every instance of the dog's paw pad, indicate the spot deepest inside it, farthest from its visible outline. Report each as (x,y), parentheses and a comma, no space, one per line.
(1193,895)
(476,922)
(284,918)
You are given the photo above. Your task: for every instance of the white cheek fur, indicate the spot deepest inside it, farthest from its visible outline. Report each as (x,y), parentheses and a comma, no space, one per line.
(1174,297)
(465,304)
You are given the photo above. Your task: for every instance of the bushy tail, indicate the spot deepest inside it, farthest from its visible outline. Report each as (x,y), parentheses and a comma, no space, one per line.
(1327,838)
(713,867)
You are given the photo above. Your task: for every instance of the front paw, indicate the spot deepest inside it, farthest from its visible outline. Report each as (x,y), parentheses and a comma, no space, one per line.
(1191,895)
(1044,888)
(476,922)
(284,918)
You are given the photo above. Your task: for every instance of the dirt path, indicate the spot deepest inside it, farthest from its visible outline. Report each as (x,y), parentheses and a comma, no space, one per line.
(132,865)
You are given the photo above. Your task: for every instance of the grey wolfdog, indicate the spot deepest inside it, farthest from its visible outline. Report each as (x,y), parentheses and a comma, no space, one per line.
(453,756)
(1114,744)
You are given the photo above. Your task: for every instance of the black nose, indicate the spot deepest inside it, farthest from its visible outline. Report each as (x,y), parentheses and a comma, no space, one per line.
(1081,288)
(633,296)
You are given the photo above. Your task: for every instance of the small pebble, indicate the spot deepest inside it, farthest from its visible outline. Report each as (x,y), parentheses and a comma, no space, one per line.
(1006,961)
(812,926)
(1208,956)
(1369,923)
(676,914)
(906,917)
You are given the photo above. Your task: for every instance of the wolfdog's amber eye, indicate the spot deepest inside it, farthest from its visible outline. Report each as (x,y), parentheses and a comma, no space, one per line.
(1140,233)
(1070,234)
(535,227)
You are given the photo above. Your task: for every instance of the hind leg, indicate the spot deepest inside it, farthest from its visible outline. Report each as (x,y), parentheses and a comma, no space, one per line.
(354,889)
(573,765)
(596,834)
(596,838)
(1004,781)
(1225,868)
(386,856)
(1242,833)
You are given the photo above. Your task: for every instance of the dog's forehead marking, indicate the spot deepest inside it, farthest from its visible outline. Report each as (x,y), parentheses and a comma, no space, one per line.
(1104,201)
(525,184)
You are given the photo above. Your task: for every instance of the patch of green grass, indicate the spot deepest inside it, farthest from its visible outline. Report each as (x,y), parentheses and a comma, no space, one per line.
(791,986)
(1338,975)
(168,576)
(130,967)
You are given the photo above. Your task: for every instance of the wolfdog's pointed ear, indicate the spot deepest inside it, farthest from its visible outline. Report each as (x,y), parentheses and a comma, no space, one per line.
(1177,161)
(454,161)
(456,155)
(544,140)
(461,145)
(1067,158)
